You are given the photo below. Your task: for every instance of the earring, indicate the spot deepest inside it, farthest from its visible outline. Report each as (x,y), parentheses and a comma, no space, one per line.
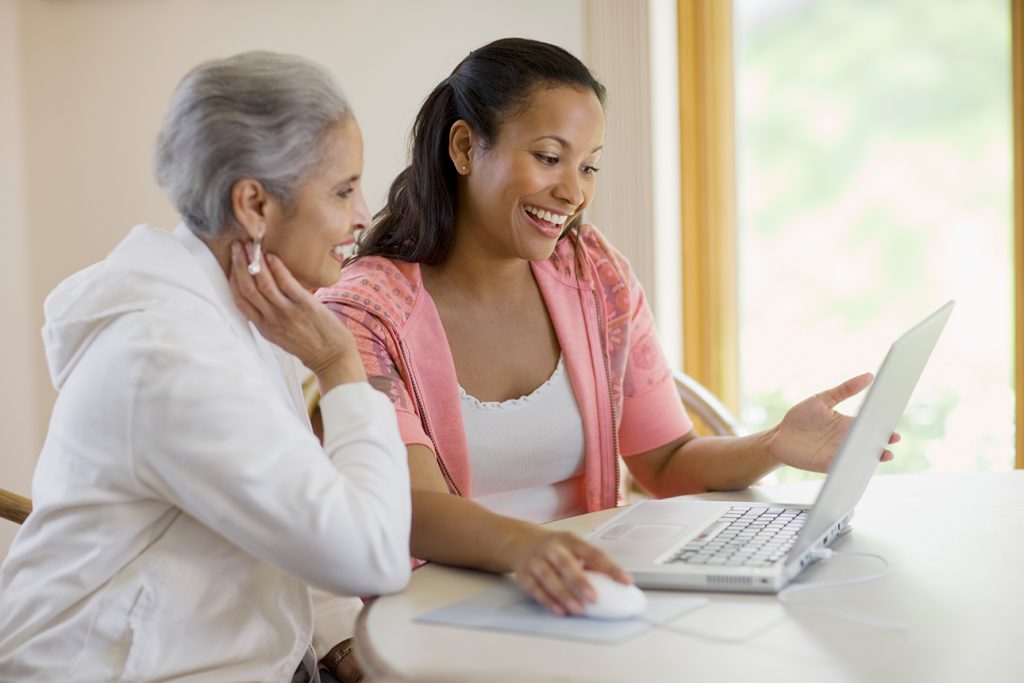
(254,264)
(465,169)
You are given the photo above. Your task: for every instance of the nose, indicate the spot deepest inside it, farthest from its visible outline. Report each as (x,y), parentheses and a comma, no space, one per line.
(569,188)
(361,214)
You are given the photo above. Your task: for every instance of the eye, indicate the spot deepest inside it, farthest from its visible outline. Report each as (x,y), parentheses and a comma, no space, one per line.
(590,170)
(546,159)
(344,194)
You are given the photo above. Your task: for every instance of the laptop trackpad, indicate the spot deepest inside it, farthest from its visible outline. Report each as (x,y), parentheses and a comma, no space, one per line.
(641,532)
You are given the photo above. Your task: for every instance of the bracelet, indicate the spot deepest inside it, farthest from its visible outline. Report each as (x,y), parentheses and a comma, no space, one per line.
(333,658)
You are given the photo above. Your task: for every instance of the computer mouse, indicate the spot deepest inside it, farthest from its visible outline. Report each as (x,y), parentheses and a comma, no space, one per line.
(614,600)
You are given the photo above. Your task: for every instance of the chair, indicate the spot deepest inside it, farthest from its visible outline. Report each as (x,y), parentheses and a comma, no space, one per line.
(709,415)
(705,406)
(14,507)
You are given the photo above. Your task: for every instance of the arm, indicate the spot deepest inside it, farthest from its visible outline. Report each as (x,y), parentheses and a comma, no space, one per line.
(458,531)
(214,438)
(808,437)
(660,448)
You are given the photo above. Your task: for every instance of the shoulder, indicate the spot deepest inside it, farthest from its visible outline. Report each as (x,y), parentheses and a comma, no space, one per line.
(179,338)
(385,288)
(591,254)
(148,356)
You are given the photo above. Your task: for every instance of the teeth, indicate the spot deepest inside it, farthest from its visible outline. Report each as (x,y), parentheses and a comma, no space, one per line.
(556,218)
(344,250)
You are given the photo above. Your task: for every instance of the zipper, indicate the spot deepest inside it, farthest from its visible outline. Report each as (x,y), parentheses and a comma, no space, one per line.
(423,415)
(611,394)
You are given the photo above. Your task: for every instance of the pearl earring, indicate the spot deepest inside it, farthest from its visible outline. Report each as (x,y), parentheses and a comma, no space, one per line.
(254,264)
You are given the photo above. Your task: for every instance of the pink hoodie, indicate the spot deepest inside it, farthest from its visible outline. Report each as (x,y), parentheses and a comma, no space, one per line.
(622,383)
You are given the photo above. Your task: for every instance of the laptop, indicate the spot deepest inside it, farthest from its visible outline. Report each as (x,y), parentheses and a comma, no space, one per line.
(756,547)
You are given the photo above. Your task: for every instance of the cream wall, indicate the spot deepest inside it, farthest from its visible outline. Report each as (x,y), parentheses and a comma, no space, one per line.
(19,436)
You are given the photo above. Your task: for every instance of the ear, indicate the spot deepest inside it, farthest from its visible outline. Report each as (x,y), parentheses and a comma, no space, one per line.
(460,147)
(250,205)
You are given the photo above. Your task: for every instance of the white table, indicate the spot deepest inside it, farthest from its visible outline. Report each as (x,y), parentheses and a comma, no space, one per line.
(955,545)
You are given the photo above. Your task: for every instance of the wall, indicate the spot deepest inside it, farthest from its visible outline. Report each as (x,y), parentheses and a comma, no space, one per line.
(85,84)
(19,345)
(631,45)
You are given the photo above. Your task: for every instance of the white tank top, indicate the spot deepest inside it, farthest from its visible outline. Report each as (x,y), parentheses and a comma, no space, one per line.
(526,454)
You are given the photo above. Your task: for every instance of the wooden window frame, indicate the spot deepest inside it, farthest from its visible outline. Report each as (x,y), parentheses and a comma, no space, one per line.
(1017,57)
(708,197)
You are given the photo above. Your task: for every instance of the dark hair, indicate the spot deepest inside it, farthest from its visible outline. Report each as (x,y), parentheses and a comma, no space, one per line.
(487,87)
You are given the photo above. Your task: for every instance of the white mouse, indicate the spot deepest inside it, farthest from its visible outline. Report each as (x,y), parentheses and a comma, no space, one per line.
(614,600)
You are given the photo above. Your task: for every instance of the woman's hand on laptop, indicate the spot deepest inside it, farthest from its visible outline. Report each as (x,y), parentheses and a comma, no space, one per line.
(812,431)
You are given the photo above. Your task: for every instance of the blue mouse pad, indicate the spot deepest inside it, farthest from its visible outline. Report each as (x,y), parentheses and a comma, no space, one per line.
(506,608)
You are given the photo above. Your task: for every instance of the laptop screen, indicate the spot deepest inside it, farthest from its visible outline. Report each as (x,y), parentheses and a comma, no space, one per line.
(868,437)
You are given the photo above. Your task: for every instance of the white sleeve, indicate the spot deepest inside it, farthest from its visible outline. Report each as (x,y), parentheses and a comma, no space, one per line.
(213,436)
(334,620)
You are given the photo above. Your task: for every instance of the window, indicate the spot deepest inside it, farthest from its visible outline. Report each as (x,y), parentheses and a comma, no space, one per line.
(874,181)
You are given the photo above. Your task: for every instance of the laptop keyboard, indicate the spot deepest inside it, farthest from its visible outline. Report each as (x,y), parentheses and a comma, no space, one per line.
(745,537)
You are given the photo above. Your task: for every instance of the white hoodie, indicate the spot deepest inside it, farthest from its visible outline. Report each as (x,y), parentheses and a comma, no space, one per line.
(182,505)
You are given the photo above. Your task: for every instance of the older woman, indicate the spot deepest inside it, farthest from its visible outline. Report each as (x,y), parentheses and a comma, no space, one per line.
(182,506)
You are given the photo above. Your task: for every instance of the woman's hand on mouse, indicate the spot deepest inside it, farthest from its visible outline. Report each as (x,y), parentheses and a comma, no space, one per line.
(549,567)
(290,317)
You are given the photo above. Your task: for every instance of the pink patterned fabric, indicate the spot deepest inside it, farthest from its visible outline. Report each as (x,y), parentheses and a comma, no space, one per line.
(620,377)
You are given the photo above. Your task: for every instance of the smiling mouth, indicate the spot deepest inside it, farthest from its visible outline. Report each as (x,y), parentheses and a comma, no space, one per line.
(547,216)
(343,251)
(550,223)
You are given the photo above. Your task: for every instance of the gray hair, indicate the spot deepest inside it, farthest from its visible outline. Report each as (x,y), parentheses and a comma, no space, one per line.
(257,115)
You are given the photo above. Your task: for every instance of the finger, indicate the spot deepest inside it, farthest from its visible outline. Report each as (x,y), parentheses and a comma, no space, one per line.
(289,287)
(570,571)
(242,288)
(850,387)
(267,286)
(536,590)
(886,456)
(895,438)
(251,314)
(551,572)
(597,561)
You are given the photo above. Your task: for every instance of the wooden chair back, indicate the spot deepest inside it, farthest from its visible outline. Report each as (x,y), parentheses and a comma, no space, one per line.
(705,406)
(14,507)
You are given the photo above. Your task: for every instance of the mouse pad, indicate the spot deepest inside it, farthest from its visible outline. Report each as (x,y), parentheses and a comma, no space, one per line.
(506,608)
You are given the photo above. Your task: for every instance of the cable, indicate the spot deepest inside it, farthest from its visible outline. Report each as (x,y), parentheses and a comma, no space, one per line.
(784,595)
(824,554)
(718,639)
